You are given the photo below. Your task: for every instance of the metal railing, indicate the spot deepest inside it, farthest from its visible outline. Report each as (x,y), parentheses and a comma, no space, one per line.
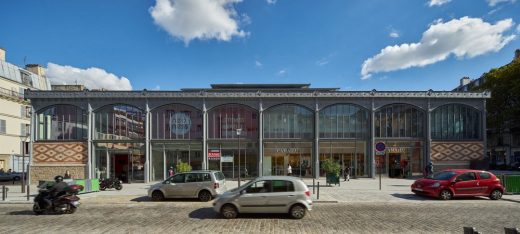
(11,94)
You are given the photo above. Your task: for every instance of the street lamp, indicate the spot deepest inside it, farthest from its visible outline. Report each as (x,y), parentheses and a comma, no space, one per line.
(23,139)
(239,131)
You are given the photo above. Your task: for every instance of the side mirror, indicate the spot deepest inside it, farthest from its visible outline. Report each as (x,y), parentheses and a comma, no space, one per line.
(166,182)
(242,192)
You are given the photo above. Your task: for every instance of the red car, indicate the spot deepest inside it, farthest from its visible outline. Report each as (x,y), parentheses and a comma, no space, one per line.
(459,183)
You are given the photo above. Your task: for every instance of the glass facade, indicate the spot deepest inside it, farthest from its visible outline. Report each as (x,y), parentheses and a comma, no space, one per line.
(224,120)
(169,154)
(62,122)
(278,155)
(456,122)
(248,161)
(344,121)
(399,121)
(176,121)
(351,154)
(288,121)
(125,161)
(402,158)
(119,122)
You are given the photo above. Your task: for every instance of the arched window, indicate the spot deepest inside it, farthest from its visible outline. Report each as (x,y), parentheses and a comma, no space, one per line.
(176,121)
(119,122)
(456,122)
(288,121)
(225,119)
(62,122)
(344,121)
(399,121)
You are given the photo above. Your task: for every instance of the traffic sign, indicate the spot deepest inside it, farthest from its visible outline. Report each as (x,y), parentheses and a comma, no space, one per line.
(380,146)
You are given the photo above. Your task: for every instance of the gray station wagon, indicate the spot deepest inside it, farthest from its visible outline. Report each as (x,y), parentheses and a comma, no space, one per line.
(203,185)
(267,194)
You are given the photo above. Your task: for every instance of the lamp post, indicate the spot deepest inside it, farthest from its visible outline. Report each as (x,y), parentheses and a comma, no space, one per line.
(22,152)
(239,131)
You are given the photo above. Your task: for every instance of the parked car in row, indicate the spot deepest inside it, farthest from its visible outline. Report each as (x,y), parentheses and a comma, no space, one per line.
(267,194)
(13,176)
(459,183)
(204,185)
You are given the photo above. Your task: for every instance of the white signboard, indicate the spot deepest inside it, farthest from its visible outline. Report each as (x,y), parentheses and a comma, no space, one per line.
(180,123)
(226,159)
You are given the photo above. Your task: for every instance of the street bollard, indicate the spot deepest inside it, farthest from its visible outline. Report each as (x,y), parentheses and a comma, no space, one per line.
(470,230)
(3,192)
(28,193)
(511,231)
(318,196)
(313,186)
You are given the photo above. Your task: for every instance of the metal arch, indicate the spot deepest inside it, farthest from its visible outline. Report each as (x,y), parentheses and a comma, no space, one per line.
(343,103)
(401,103)
(268,109)
(231,103)
(42,109)
(173,103)
(96,110)
(456,103)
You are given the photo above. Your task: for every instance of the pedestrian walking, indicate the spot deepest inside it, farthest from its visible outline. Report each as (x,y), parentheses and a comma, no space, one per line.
(346,174)
(289,169)
(428,169)
(171,172)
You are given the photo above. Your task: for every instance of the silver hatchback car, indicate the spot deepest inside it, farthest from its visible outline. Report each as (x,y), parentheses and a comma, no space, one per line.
(267,194)
(194,184)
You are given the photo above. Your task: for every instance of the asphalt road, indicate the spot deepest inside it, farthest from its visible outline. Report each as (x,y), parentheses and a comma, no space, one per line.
(186,216)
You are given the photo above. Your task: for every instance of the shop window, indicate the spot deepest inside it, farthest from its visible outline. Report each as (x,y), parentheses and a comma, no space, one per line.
(62,122)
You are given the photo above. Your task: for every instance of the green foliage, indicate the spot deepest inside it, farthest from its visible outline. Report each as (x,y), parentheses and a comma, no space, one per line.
(330,166)
(183,167)
(504,105)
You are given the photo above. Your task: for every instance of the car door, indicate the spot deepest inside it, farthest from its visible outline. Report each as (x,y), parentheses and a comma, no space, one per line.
(281,197)
(174,186)
(253,199)
(191,185)
(485,183)
(466,184)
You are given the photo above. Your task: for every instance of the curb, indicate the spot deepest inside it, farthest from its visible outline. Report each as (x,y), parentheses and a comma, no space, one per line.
(324,202)
(16,202)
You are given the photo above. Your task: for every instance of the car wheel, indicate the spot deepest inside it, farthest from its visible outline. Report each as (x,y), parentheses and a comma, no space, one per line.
(119,186)
(495,194)
(297,211)
(229,211)
(37,210)
(204,196)
(157,196)
(445,194)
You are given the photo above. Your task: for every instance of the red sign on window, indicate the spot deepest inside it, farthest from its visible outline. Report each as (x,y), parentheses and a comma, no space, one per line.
(214,154)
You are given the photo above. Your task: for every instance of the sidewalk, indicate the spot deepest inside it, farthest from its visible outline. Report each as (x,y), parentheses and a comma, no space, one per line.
(355,190)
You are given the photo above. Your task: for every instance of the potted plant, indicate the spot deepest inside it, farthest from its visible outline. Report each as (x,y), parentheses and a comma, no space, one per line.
(332,170)
(183,167)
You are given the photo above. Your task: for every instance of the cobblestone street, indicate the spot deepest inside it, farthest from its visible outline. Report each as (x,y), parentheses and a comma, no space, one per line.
(196,217)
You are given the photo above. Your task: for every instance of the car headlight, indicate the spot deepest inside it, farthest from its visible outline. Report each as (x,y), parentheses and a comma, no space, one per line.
(436,185)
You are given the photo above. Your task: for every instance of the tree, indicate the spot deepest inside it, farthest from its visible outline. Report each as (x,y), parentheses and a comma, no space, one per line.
(504,105)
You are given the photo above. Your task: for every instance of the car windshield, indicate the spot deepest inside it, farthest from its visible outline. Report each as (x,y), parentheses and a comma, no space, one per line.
(444,175)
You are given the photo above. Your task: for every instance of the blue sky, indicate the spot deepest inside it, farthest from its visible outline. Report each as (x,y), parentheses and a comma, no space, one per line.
(349,44)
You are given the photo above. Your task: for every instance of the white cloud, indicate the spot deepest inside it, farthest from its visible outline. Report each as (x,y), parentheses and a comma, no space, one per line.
(282,72)
(518,28)
(271,2)
(258,64)
(495,2)
(92,78)
(157,87)
(394,34)
(464,37)
(437,2)
(323,61)
(197,19)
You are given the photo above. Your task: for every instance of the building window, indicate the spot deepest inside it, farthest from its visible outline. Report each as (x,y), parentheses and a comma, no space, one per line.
(2,126)
(399,121)
(24,129)
(62,122)
(288,121)
(224,120)
(176,121)
(456,122)
(120,122)
(344,121)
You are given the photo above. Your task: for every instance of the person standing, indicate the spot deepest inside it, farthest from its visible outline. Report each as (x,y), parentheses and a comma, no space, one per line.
(289,169)
(171,172)
(67,175)
(346,174)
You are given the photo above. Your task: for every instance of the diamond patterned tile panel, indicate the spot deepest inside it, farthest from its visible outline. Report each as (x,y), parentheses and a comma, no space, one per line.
(457,151)
(60,152)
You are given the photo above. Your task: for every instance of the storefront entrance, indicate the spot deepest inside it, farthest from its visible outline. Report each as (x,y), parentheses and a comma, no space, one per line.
(278,156)
(115,162)
(401,159)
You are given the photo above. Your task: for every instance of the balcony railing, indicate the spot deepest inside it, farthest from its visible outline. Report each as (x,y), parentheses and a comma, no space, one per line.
(11,94)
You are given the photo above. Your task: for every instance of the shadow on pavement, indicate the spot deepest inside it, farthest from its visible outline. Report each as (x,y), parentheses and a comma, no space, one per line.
(209,213)
(22,212)
(148,199)
(411,197)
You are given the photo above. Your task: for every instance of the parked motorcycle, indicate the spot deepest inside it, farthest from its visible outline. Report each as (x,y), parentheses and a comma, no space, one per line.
(110,183)
(65,203)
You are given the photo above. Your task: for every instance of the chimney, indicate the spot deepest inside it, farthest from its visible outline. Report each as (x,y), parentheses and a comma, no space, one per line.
(2,54)
(464,81)
(36,69)
(517,54)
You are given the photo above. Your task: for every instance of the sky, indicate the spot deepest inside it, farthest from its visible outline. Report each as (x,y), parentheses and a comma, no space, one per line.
(354,45)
